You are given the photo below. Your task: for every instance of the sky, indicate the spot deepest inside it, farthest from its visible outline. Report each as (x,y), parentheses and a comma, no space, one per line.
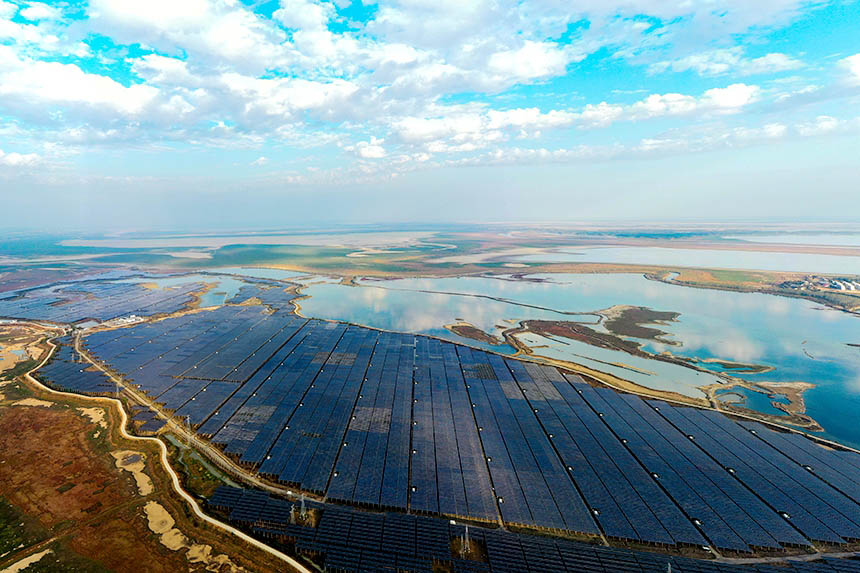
(234,113)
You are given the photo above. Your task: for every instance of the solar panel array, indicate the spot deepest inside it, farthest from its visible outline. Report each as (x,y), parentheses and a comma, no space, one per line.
(348,540)
(268,292)
(408,423)
(99,300)
(164,357)
(67,371)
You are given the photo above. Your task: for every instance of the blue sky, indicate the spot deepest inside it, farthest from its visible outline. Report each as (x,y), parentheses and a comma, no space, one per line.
(156,113)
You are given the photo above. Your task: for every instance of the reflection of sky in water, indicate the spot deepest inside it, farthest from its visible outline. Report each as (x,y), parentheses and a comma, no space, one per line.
(744,327)
(754,401)
(720,259)
(405,311)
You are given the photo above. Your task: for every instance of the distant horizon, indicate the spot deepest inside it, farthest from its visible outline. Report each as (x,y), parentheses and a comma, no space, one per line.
(687,225)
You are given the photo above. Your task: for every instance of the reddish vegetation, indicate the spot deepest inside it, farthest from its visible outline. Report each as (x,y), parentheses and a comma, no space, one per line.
(580,332)
(46,451)
(469,331)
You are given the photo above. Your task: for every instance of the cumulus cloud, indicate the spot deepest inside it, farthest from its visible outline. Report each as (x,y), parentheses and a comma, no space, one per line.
(7,9)
(27,83)
(163,70)
(694,141)
(530,118)
(466,129)
(717,100)
(852,65)
(18,159)
(40,11)
(372,149)
(285,97)
(304,14)
(826,124)
(601,115)
(215,31)
(531,60)
(729,61)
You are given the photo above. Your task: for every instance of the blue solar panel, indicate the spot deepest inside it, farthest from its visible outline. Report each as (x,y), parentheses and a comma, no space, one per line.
(824,463)
(767,481)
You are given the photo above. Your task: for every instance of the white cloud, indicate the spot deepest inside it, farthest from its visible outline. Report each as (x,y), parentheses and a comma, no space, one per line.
(852,64)
(717,100)
(18,160)
(304,14)
(225,75)
(601,115)
(532,60)
(32,83)
(656,105)
(822,124)
(163,70)
(285,97)
(260,161)
(369,149)
(529,118)
(7,9)
(729,61)
(463,129)
(730,98)
(668,144)
(214,31)
(40,11)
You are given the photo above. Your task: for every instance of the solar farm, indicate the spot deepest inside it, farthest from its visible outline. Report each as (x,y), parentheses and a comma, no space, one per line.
(391,432)
(97,300)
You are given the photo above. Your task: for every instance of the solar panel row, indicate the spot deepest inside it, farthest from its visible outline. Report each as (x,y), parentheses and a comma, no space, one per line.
(768,481)
(552,496)
(626,502)
(304,454)
(351,540)
(672,474)
(67,371)
(825,464)
(258,423)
